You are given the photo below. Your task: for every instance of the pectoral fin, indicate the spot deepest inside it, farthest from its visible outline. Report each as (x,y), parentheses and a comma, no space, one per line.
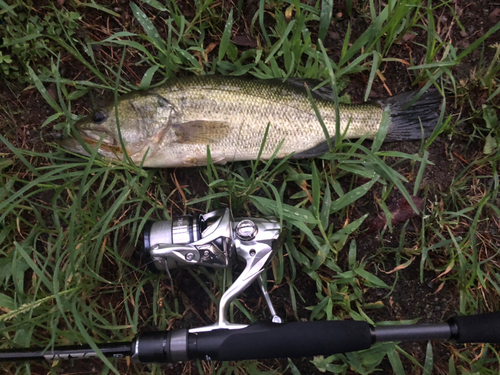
(204,132)
(197,162)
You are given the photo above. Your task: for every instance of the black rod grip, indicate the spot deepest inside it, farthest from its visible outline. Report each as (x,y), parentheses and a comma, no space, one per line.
(476,328)
(264,340)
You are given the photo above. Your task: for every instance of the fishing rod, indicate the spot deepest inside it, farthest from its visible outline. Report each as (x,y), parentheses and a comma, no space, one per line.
(216,240)
(264,340)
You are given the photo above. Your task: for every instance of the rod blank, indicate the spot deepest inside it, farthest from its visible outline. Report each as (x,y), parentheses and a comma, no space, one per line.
(117,350)
(412,332)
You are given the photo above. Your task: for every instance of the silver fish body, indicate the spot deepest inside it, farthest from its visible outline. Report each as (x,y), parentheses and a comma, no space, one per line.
(175,124)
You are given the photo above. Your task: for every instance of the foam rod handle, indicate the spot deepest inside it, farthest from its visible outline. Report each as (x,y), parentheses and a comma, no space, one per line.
(476,328)
(263,340)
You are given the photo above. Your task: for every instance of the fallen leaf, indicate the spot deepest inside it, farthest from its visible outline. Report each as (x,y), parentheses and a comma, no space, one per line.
(408,37)
(244,40)
(400,211)
(210,48)
(439,288)
(495,15)
(400,267)
(51,90)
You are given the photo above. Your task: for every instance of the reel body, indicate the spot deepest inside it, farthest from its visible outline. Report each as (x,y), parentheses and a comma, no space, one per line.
(216,240)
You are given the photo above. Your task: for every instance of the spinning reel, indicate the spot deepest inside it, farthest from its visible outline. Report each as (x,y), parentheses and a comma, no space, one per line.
(215,240)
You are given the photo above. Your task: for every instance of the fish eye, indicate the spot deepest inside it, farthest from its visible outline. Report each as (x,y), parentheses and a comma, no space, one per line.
(99,117)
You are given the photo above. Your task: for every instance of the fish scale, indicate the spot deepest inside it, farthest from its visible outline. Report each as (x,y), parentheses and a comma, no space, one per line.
(174,124)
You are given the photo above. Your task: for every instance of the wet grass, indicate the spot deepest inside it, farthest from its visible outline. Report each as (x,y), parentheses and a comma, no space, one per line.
(70,225)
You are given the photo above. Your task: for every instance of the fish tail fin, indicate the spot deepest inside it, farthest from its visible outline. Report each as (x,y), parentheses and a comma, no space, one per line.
(415,122)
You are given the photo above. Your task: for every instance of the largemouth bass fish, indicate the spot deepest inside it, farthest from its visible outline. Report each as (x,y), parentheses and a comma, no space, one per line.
(171,126)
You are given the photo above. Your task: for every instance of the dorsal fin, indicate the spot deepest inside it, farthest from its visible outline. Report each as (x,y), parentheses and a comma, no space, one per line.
(324,92)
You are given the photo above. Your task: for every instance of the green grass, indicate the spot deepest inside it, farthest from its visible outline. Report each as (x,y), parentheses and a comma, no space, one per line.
(69,225)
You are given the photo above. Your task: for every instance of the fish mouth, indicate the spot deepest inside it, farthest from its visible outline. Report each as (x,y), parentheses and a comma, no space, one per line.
(105,147)
(72,145)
